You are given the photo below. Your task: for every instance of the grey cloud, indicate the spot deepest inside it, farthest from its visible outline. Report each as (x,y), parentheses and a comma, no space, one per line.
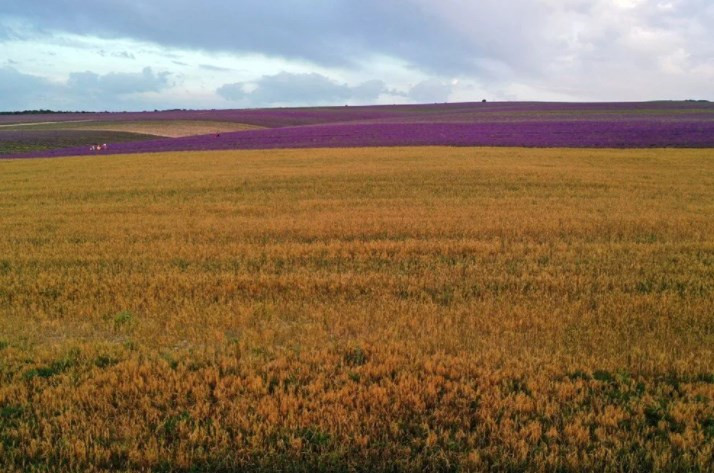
(8,33)
(234,92)
(120,54)
(23,91)
(287,88)
(166,54)
(118,83)
(430,91)
(300,89)
(369,90)
(211,67)
(82,90)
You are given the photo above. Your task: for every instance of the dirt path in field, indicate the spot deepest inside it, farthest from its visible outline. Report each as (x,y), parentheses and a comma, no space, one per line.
(171,129)
(163,128)
(41,123)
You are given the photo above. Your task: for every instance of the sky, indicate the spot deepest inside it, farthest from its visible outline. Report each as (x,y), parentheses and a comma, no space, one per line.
(163,54)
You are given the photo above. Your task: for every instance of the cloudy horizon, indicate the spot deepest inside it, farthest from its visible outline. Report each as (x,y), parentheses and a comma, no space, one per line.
(132,55)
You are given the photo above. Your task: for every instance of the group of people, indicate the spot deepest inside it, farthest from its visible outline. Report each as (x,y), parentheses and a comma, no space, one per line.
(98,147)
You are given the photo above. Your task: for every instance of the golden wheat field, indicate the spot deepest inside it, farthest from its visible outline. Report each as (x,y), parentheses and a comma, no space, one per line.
(167,128)
(393,309)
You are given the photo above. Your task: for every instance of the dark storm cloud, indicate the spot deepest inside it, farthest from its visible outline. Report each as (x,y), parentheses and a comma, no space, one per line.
(287,88)
(328,32)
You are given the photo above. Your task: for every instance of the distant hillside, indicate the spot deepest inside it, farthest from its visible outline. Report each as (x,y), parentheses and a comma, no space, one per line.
(37,112)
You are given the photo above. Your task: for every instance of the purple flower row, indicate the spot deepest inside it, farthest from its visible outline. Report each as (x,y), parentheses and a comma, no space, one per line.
(600,134)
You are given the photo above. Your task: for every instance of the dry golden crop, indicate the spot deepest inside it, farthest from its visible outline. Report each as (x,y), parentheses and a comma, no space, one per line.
(171,128)
(400,309)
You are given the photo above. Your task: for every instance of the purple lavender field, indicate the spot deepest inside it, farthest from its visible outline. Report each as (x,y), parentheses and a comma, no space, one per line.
(603,125)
